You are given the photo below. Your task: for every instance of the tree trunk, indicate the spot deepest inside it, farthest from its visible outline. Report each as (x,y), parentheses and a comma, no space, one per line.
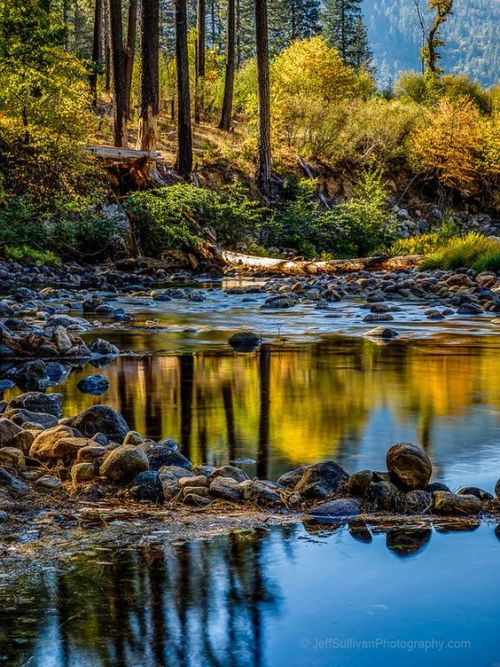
(130,51)
(107,49)
(150,42)
(263,175)
(96,50)
(119,74)
(65,10)
(227,104)
(200,61)
(184,133)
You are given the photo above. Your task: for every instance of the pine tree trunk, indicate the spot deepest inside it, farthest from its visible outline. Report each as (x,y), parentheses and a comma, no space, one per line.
(184,133)
(107,49)
(200,62)
(263,175)
(227,104)
(130,51)
(96,50)
(150,43)
(119,74)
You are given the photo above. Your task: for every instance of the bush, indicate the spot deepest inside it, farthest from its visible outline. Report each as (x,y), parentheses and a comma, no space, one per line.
(473,250)
(40,257)
(424,244)
(428,90)
(178,216)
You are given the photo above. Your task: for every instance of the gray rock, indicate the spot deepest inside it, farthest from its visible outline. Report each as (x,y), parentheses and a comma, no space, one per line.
(100,419)
(359,483)
(124,463)
(497,489)
(409,466)
(378,317)
(82,472)
(35,401)
(14,486)
(48,483)
(102,348)
(413,502)
(382,332)
(160,456)
(321,480)
(96,385)
(244,340)
(291,478)
(226,488)
(230,472)
(4,517)
(453,503)
(262,493)
(20,417)
(133,438)
(437,486)
(10,457)
(8,429)
(336,510)
(475,491)
(383,496)
(147,485)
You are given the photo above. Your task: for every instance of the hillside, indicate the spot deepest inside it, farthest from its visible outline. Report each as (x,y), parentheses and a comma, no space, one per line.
(471,36)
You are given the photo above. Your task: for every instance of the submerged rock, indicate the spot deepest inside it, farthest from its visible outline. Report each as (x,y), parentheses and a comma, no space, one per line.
(382,332)
(96,385)
(245,340)
(124,463)
(335,510)
(409,466)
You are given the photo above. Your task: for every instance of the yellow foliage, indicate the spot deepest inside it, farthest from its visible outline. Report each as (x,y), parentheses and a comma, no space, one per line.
(452,141)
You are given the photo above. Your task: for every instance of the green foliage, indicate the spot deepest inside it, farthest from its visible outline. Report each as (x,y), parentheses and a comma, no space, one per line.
(424,244)
(178,216)
(24,252)
(426,90)
(355,228)
(473,250)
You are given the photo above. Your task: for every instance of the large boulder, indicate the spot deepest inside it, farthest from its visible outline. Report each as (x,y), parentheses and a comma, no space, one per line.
(226,488)
(161,456)
(8,429)
(336,510)
(229,471)
(291,478)
(454,503)
(20,417)
(11,457)
(124,463)
(409,466)
(262,493)
(321,480)
(35,401)
(100,419)
(475,491)
(60,442)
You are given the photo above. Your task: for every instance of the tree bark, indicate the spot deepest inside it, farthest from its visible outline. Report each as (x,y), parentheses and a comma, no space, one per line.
(96,50)
(227,104)
(184,132)
(200,61)
(150,43)
(263,175)
(119,74)
(130,51)
(107,49)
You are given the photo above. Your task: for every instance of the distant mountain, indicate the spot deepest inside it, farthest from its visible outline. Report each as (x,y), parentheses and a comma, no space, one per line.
(472,37)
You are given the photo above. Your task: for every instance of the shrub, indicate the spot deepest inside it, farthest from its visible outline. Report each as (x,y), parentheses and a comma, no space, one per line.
(40,257)
(473,250)
(424,244)
(428,90)
(177,216)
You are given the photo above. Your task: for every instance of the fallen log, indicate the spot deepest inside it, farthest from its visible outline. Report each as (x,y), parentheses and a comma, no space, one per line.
(310,267)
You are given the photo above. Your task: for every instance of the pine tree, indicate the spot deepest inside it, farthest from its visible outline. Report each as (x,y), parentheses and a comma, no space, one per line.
(290,20)
(343,26)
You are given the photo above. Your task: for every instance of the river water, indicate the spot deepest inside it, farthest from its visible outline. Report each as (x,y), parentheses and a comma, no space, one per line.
(315,390)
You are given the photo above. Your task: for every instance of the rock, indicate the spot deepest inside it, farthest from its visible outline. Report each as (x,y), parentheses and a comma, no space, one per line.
(413,502)
(291,478)
(90,453)
(497,489)
(406,542)
(244,340)
(336,510)
(437,486)
(35,401)
(147,485)
(226,488)
(95,385)
(230,472)
(45,443)
(14,486)
(23,441)
(453,503)
(321,480)
(160,456)
(6,384)
(262,493)
(409,466)
(475,491)
(133,438)
(102,348)
(195,480)
(20,417)
(382,332)
(378,317)
(48,483)
(100,419)
(62,340)
(469,309)
(124,463)
(359,483)
(196,490)
(82,472)
(383,496)
(8,429)
(174,473)
(10,457)
(4,517)
(196,500)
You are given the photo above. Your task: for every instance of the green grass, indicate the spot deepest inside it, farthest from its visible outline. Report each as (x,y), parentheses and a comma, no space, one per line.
(472,251)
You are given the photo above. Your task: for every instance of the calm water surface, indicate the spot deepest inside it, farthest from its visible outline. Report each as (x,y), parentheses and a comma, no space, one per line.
(259,599)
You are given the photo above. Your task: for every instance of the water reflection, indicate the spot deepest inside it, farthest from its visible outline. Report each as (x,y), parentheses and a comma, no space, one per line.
(291,404)
(253,599)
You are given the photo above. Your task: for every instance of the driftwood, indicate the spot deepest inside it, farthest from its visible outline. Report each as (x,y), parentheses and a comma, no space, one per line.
(304,267)
(121,154)
(309,174)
